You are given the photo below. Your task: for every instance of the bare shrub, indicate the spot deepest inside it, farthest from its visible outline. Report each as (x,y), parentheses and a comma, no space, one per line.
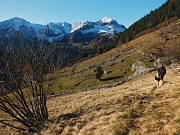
(25,76)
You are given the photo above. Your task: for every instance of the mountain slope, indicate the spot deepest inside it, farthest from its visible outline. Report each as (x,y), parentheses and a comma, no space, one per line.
(166,13)
(135,107)
(118,62)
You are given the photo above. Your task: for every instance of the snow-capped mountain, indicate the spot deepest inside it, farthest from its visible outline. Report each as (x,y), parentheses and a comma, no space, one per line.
(104,26)
(61,32)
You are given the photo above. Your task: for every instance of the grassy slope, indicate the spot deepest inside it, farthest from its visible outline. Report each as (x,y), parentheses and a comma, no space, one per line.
(82,75)
(136,107)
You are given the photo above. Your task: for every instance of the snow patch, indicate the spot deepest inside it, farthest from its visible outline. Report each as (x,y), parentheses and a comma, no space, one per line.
(106,19)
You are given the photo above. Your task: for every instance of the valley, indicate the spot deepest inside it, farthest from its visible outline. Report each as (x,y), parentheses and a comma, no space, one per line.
(119,61)
(79,104)
(90,78)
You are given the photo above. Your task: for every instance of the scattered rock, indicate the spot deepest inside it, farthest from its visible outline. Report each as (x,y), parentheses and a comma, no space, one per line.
(174,65)
(145,101)
(106,72)
(164,121)
(140,69)
(175,70)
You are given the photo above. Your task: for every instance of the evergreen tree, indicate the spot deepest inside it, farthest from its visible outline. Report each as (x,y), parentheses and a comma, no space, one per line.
(99,72)
(99,49)
(167,11)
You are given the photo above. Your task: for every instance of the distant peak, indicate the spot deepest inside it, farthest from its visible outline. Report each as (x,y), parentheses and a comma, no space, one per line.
(19,19)
(106,19)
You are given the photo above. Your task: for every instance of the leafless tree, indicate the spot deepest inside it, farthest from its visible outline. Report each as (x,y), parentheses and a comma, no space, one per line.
(24,83)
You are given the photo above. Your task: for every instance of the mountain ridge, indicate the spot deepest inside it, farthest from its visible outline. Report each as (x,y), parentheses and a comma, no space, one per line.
(57,31)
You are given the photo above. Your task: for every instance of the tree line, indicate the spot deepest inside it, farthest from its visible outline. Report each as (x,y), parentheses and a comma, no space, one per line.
(168,10)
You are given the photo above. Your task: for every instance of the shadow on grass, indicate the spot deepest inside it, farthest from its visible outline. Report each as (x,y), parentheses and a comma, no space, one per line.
(111,78)
(68,116)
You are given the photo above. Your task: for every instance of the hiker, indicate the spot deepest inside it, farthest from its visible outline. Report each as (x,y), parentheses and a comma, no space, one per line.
(161,72)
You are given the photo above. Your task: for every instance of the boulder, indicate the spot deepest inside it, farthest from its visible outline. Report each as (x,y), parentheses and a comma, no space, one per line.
(140,69)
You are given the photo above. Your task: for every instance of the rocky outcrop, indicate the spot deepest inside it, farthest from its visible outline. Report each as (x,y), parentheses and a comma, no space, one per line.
(174,66)
(140,69)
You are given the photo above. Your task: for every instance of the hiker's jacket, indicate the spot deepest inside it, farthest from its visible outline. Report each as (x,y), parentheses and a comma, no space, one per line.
(161,72)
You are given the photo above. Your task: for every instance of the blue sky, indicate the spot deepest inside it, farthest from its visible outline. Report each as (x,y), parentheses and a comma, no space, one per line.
(126,12)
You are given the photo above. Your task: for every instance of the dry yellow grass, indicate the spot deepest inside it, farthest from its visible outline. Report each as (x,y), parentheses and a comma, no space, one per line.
(136,108)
